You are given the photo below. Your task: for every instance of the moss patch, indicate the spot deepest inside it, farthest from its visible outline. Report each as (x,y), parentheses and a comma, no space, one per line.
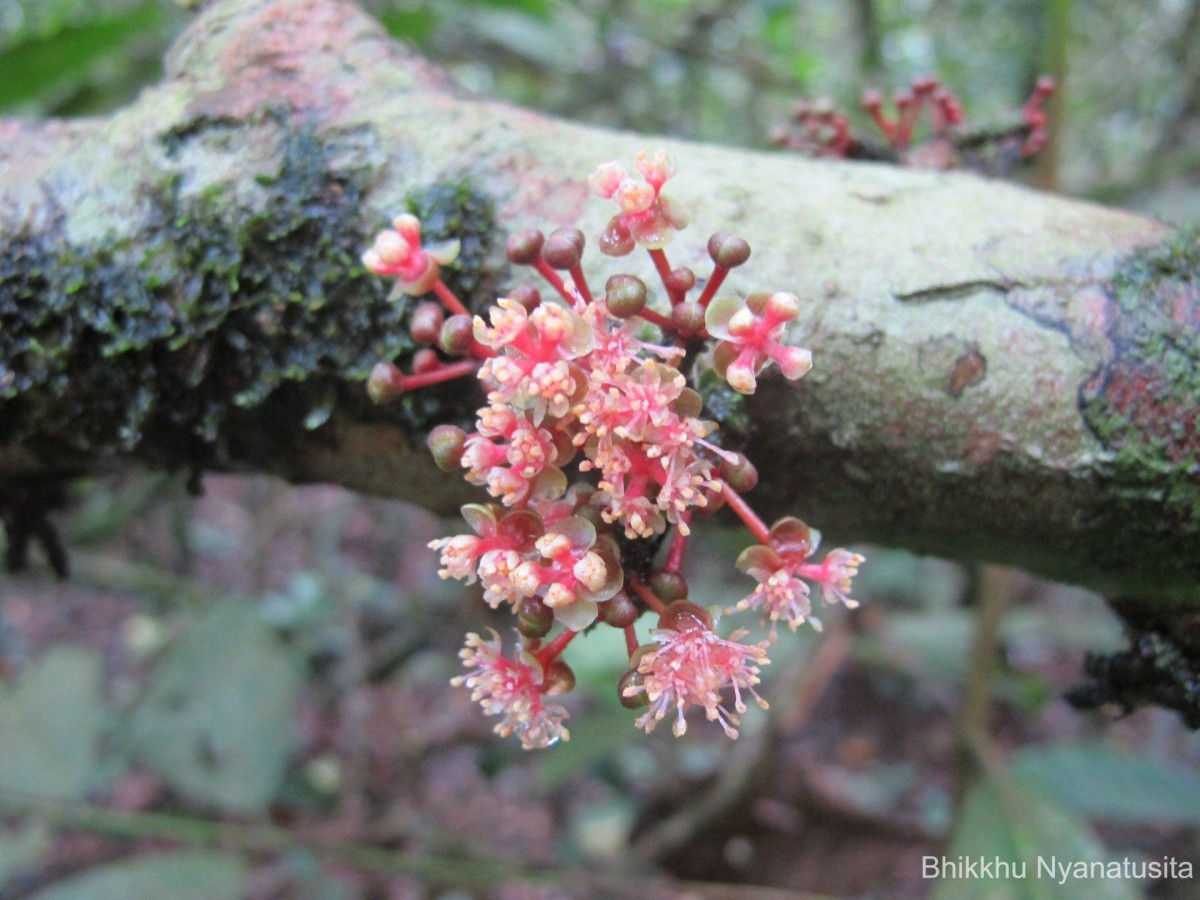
(164,347)
(1142,404)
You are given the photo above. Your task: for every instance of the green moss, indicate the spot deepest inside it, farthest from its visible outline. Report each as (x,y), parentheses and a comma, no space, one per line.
(1141,404)
(219,311)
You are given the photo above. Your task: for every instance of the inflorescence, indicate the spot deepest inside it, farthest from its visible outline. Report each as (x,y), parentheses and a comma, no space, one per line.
(818,128)
(593,441)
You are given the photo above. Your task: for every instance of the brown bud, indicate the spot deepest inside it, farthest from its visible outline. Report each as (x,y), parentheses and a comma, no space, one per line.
(684,616)
(386,383)
(560,679)
(625,295)
(632,679)
(680,281)
(688,319)
(534,618)
(425,360)
(620,611)
(458,336)
(741,475)
(523,247)
(426,323)
(728,250)
(527,295)
(669,586)
(563,249)
(446,442)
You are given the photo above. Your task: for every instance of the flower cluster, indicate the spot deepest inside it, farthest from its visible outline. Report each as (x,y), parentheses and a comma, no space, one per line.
(819,129)
(591,440)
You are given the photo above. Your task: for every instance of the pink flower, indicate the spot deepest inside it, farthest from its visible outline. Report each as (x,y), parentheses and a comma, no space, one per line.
(781,569)
(647,218)
(751,334)
(691,666)
(512,688)
(501,541)
(576,571)
(397,252)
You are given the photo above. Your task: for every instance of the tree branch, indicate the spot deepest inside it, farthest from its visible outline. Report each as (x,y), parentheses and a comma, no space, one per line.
(1000,374)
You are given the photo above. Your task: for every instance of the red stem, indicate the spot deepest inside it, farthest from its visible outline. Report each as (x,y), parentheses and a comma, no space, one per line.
(648,595)
(448,299)
(674,563)
(631,640)
(664,272)
(448,372)
(555,281)
(657,318)
(581,283)
(757,526)
(718,276)
(547,654)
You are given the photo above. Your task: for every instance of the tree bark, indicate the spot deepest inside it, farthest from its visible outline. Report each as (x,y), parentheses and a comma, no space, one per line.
(999,374)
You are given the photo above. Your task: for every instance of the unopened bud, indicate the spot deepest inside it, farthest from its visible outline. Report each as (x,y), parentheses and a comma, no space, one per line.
(522,248)
(626,690)
(625,295)
(688,319)
(560,679)
(527,295)
(426,324)
(534,618)
(680,281)
(739,472)
(728,250)
(446,443)
(458,336)
(425,360)
(620,611)
(564,248)
(386,383)
(684,616)
(669,586)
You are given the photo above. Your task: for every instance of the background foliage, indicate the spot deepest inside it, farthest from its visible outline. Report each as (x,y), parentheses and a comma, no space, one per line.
(245,694)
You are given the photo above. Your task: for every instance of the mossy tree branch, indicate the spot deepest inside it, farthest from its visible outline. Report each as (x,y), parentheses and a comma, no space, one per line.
(1000,374)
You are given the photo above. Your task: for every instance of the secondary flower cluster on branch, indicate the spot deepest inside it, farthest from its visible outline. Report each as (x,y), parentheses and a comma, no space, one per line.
(820,129)
(593,441)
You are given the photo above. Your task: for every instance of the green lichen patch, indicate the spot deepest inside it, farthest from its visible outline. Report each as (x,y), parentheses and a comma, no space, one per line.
(166,347)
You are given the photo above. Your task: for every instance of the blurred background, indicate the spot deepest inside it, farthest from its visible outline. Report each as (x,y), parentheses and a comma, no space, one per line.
(246,693)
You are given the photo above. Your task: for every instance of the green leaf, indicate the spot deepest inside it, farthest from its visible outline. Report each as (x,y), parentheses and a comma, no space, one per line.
(216,721)
(50,725)
(1098,781)
(179,875)
(39,63)
(1007,823)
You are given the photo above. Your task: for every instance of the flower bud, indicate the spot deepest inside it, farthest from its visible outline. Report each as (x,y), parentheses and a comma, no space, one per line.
(534,618)
(727,250)
(426,323)
(625,295)
(386,383)
(446,443)
(680,281)
(684,616)
(560,679)
(458,336)
(527,295)
(425,360)
(523,247)
(740,474)
(688,319)
(669,586)
(564,248)
(620,611)
(626,683)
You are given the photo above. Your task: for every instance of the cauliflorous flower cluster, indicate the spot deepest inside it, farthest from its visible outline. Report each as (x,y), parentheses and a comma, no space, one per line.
(593,445)
(817,128)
